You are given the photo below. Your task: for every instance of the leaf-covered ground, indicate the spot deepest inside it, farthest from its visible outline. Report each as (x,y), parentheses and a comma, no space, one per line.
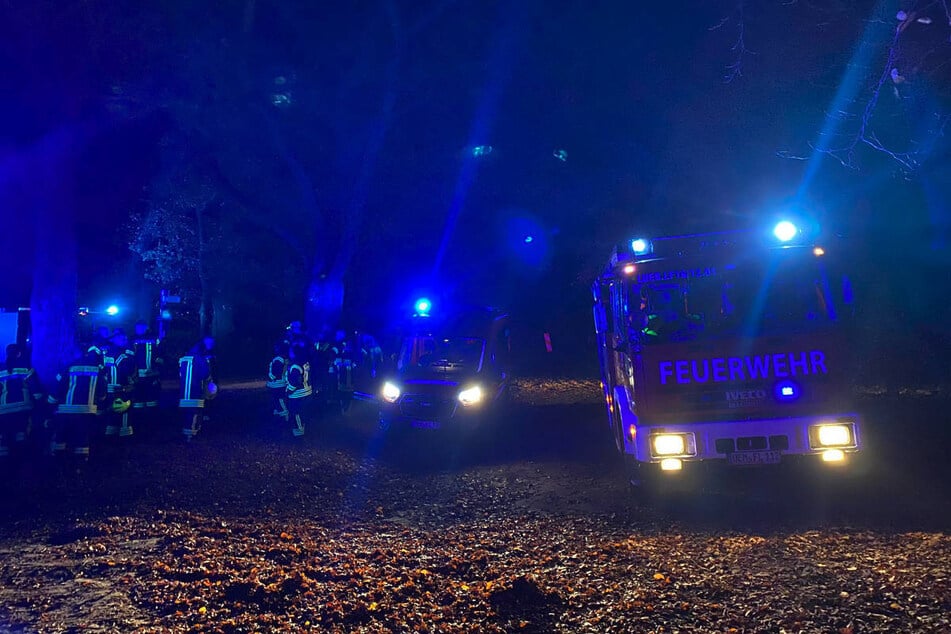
(529,528)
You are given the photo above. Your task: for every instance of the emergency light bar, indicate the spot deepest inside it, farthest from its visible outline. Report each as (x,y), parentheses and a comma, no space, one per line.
(423,306)
(784,234)
(785,231)
(641,246)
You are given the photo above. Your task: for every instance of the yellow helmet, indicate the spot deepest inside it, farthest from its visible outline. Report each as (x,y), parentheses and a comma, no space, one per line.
(119,406)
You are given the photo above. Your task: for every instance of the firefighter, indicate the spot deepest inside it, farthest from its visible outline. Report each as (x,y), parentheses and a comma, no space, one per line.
(298,387)
(196,386)
(296,335)
(80,392)
(20,390)
(121,373)
(148,363)
(277,380)
(343,368)
(372,353)
(321,364)
(100,343)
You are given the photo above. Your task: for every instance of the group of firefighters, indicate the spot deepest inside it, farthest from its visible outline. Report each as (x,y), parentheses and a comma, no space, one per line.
(90,396)
(291,381)
(114,384)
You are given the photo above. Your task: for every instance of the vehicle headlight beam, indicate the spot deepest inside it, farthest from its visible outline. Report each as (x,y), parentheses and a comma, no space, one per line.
(471,396)
(390,392)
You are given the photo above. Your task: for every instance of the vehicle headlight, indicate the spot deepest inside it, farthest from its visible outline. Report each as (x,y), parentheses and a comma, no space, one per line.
(832,436)
(669,444)
(390,392)
(470,396)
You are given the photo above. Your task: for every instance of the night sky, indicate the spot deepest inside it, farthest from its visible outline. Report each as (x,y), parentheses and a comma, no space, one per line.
(662,132)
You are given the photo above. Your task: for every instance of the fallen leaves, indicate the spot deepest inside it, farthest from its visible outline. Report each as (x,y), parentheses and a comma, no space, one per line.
(511,574)
(321,540)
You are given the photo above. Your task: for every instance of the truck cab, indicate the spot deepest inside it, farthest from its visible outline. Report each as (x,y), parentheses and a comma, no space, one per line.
(727,349)
(450,371)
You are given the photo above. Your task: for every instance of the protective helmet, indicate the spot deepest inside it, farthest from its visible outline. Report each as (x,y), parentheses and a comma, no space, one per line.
(119,406)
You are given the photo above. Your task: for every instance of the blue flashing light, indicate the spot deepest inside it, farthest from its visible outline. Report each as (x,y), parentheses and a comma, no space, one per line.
(529,239)
(481,150)
(786,391)
(785,231)
(423,306)
(640,246)
(112,310)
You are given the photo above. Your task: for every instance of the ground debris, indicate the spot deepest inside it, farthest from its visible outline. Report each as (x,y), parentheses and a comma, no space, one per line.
(510,574)
(251,535)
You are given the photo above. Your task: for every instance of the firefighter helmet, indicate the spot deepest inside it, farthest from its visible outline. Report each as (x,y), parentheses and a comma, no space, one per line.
(119,406)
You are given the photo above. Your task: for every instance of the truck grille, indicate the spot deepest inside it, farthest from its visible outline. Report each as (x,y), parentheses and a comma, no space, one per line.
(751,443)
(421,407)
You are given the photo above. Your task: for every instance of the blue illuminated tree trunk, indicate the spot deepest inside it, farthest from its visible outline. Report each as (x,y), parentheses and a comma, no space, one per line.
(324,302)
(325,293)
(53,301)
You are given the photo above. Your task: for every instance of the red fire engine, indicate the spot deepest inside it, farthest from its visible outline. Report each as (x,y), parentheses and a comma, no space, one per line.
(726,348)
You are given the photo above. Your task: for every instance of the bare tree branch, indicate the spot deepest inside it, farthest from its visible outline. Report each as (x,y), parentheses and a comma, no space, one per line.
(735,69)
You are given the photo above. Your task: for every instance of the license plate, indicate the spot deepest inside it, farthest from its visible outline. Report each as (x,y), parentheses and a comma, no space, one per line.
(426,424)
(748,458)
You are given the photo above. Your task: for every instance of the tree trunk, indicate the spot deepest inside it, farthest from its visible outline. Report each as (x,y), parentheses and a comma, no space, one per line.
(205,309)
(222,322)
(324,303)
(53,302)
(248,18)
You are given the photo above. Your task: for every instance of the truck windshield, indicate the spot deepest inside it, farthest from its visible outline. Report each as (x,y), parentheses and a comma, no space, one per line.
(441,352)
(786,296)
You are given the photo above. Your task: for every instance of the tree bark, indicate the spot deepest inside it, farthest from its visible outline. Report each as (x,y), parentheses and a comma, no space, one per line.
(222,323)
(248,18)
(53,301)
(205,309)
(324,303)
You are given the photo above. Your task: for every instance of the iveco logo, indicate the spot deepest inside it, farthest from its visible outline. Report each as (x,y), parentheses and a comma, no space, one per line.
(746,395)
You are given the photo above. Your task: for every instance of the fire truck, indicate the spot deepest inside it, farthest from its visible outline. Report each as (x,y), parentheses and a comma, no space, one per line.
(727,349)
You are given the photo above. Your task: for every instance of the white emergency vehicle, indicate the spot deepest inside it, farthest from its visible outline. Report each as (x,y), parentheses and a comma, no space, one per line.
(727,348)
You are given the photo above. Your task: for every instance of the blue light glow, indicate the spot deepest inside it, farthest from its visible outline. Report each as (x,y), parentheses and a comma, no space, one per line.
(481,150)
(640,246)
(786,391)
(423,306)
(112,310)
(785,231)
(529,239)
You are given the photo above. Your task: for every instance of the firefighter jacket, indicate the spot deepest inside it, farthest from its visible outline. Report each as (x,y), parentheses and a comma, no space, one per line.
(298,380)
(121,372)
(194,376)
(147,355)
(100,349)
(277,372)
(80,388)
(19,388)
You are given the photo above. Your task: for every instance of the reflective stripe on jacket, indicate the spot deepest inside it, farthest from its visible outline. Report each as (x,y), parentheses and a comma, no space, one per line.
(298,381)
(277,372)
